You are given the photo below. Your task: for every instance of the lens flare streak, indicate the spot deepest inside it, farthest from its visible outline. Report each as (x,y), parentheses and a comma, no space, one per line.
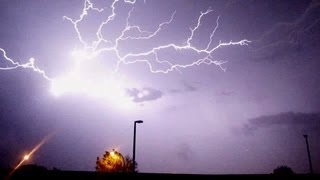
(29,155)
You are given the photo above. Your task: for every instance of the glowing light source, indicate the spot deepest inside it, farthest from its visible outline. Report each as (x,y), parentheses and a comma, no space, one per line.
(111,88)
(112,153)
(26,157)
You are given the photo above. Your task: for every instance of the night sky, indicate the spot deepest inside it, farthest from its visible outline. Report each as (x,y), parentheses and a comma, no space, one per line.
(246,116)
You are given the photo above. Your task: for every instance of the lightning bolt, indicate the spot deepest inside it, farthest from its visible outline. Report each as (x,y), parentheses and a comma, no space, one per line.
(142,57)
(148,56)
(12,64)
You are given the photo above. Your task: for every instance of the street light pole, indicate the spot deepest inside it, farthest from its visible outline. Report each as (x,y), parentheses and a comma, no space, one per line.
(134,145)
(309,156)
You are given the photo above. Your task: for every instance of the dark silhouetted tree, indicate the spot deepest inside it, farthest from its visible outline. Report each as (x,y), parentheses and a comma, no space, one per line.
(114,162)
(28,170)
(283,170)
(32,168)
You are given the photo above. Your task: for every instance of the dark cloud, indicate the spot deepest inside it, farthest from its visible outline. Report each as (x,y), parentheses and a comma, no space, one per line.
(144,94)
(289,38)
(302,122)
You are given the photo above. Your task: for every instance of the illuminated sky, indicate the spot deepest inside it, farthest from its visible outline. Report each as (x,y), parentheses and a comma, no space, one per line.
(222,86)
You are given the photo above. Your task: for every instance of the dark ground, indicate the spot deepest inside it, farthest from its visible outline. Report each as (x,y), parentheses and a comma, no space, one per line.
(43,173)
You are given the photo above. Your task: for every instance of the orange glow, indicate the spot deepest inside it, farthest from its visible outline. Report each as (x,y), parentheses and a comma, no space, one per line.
(112,162)
(28,156)
(112,153)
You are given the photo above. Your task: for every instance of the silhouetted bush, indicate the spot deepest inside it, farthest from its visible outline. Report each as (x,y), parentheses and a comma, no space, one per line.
(31,168)
(114,162)
(283,170)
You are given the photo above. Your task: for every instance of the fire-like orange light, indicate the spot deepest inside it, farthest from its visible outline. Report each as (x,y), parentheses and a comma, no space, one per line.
(112,153)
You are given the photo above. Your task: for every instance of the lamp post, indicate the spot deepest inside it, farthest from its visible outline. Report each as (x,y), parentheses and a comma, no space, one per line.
(309,156)
(134,145)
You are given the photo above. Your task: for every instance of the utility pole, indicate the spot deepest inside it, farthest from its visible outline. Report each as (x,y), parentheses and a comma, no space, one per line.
(134,145)
(309,156)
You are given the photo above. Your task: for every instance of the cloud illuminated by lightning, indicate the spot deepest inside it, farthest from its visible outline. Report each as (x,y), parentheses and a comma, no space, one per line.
(77,81)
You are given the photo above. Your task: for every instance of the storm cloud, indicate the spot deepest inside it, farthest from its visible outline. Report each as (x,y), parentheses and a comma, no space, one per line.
(302,122)
(144,94)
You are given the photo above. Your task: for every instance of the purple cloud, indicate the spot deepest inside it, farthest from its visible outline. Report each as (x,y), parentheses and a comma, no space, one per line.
(144,94)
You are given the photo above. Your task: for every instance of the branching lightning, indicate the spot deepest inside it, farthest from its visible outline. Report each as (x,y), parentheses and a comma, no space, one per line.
(15,64)
(101,44)
(132,58)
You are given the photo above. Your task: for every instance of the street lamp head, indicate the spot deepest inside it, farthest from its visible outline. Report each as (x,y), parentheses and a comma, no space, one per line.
(138,121)
(112,153)
(306,136)
(134,144)
(26,157)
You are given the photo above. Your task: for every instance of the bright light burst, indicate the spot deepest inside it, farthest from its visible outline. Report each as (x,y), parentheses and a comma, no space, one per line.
(27,157)
(108,84)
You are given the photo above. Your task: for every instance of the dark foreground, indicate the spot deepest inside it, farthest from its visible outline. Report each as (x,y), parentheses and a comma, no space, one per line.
(57,174)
